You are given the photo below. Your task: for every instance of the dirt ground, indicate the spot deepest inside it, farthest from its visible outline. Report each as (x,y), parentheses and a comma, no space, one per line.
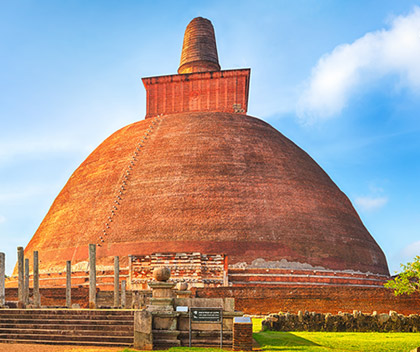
(17,347)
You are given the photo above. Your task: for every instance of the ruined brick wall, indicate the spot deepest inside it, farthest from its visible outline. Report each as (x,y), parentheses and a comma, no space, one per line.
(322,299)
(79,279)
(343,322)
(53,297)
(196,269)
(259,276)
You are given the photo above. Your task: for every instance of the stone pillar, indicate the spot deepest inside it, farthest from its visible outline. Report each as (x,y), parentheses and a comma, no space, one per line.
(21,282)
(2,278)
(242,334)
(36,295)
(116,281)
(123,294)
(162,290)
(68,284)
(26,292)
(92,276)
(143,338)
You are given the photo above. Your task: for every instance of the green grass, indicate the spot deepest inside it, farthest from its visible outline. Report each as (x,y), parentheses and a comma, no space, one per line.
(337,341)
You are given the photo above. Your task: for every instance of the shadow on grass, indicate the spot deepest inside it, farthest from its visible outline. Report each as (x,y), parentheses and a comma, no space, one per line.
(282,341)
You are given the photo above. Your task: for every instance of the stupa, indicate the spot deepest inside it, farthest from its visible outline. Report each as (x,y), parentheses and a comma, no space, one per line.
(202,186)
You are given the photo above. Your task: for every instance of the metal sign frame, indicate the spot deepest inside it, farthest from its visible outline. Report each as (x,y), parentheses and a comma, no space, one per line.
(202,309)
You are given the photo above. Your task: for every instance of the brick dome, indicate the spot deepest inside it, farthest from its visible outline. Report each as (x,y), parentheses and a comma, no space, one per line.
(219,196)
(209,182)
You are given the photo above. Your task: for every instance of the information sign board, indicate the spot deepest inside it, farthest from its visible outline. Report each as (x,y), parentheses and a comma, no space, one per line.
(204,314)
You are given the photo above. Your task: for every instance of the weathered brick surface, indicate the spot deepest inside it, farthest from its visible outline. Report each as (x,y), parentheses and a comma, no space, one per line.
(199,52)
(104,279)
(321,299)
(225,91)
(209,183)
(193,268)
(54,296)
(302,277)
(242,337)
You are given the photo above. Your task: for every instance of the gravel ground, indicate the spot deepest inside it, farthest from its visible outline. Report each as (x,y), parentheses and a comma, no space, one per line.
(18,347)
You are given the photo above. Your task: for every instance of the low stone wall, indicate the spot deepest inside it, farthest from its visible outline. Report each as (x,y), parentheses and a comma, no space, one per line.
(258,300)
(343,322)
(51,297)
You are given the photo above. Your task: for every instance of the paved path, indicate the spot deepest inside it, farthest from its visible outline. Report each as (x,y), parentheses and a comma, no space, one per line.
(20,347)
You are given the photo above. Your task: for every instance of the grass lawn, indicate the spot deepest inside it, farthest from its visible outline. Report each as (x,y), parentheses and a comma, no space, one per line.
(337,341)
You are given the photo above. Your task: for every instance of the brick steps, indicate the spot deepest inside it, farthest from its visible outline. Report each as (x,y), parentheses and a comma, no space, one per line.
(62,321)
(66,326)
(123,340)
(69,342)
(63,332)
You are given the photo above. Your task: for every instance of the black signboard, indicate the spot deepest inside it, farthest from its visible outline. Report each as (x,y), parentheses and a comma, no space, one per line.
(206,314)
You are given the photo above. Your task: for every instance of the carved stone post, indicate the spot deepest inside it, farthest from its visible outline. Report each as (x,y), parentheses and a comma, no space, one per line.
(2,278)
(26,292)
(21,282)
(68,284)
(116,281)
(92,276)
(36,295)
(123,294)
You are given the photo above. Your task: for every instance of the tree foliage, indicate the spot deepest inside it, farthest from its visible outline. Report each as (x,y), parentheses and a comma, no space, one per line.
(408,281)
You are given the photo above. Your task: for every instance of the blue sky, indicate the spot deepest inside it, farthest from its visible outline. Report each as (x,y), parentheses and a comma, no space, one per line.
(339,78)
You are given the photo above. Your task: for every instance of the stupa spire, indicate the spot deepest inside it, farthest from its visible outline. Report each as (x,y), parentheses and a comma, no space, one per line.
(199,51)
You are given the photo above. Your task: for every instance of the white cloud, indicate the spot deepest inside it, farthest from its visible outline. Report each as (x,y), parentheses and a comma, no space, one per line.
(411,250)
(370,203)
(339,74)
(2,219)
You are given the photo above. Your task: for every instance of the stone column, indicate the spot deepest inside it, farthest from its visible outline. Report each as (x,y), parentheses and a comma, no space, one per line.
(123,294)
(68,284)
(143,336)
(92,276)
(26,293)
(37,296)
(116,281)
(21,282)
(2,278)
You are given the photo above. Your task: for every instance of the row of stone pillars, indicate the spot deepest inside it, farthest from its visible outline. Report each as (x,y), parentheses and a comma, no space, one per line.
(23,281)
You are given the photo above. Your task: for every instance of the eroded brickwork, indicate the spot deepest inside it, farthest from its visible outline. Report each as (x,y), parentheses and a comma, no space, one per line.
(196,269)
(242,336)
(320,299)
(296,277)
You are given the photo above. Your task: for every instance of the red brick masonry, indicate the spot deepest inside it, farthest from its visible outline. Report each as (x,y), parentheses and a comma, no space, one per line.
(242,336)
(225,91)
(320,299)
